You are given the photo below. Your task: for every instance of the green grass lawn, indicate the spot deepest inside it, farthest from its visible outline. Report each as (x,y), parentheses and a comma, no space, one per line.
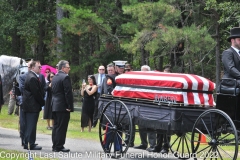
(11,121)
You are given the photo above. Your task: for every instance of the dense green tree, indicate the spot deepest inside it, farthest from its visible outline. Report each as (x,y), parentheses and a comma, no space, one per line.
(189,35)
(156,28)
(26,26)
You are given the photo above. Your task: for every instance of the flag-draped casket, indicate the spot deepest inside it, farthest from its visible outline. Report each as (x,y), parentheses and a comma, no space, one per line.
(187,89)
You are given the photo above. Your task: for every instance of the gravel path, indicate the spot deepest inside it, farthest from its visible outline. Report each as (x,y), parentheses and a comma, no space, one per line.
(80,149)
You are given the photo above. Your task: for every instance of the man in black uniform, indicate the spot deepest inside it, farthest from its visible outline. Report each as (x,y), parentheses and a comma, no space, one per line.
(163,140)
(119,66)
(231,58)
(143,135)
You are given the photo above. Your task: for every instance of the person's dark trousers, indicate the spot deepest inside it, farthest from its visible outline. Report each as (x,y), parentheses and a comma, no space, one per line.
(60,127)
(133,134)
(95,114)
(31,119)
(17,110)
(152,139)
(143,136)
(162,141)
(22,125)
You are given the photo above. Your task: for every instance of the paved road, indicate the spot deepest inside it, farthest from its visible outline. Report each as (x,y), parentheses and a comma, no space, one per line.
(80,149)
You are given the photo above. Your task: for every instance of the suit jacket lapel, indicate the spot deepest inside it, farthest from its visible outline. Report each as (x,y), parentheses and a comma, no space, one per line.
(235,53)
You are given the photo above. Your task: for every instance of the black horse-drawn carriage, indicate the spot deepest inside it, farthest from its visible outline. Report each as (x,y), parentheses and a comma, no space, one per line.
(198,128)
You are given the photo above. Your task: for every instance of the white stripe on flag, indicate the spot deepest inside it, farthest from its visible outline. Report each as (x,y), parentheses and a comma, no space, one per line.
(194,87)
(149,77)
(122,88)
(206,99)
(205,83)
(185,98)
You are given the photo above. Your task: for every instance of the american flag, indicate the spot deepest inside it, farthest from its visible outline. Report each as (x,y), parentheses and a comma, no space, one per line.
(185,88)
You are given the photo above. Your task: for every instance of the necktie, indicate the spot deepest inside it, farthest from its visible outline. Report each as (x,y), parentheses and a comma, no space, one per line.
(99,87)
(101,79)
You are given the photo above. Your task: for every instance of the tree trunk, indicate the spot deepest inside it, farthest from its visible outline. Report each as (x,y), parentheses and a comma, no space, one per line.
(142,55)
(41,46)
(202,66)
(218,61)
(59,13)
(22,48)
(15,44)
(15,38)
(191,67)
(160,64)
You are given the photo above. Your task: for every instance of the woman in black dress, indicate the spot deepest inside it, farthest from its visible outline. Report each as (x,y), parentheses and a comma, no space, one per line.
(47,108)
(89,93)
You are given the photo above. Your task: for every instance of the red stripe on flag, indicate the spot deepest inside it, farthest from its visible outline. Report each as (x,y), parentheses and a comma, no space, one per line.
(211,100)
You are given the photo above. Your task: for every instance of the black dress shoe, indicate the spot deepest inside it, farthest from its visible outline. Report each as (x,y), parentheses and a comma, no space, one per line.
(164,151)
(153,149)
(36,148)
(150,149)
(140,147)
(61,150)
(26,147)
(131,144)
(126,142)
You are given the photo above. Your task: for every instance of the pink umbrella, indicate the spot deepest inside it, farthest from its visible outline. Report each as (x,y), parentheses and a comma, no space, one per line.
(44,67)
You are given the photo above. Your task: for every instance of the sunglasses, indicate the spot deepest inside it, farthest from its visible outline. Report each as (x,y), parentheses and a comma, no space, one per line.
(102,69)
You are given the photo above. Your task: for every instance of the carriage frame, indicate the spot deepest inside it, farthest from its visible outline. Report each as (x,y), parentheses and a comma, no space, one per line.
(190,124)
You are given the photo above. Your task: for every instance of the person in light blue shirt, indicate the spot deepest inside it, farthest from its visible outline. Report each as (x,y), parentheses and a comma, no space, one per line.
(99,78)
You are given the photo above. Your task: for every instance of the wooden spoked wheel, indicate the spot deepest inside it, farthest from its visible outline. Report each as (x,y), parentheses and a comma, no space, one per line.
(115,125)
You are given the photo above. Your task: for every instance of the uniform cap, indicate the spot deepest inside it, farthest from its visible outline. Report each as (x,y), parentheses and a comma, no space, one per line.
(120,64)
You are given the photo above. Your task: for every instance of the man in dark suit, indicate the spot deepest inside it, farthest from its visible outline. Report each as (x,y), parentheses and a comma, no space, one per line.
(163,140)
(1,94)
(43,84)
(108,82)
(231,56)
(143,135)
(32,103)
(99,79)
(62,105)
(22,79)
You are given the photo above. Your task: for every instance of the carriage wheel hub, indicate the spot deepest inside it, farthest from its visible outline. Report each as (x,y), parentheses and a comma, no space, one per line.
(213,142)
(114,127)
